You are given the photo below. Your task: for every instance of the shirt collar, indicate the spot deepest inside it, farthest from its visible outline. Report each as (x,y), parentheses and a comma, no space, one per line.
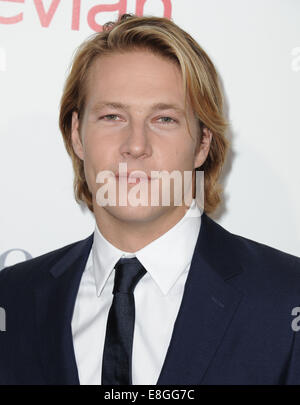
(165,269)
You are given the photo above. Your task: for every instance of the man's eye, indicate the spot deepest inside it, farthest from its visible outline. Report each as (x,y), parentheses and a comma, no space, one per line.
(109,117)
(167,120)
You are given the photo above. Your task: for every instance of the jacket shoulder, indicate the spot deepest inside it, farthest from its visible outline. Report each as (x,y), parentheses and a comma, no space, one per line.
(261,263)
(262,253)
(25,270)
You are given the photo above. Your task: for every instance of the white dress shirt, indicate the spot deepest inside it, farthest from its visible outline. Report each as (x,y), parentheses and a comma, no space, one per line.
(157,297)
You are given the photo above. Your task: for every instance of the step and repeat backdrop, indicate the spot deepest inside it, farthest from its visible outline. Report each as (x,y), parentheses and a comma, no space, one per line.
(255,46)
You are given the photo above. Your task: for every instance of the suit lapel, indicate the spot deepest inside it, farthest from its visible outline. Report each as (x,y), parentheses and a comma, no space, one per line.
(208,305)
(55,299)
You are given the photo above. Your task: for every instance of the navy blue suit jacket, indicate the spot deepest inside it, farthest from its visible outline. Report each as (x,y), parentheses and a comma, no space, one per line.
(234,325)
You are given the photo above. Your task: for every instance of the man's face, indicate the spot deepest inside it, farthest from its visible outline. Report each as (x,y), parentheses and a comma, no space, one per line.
(134,114)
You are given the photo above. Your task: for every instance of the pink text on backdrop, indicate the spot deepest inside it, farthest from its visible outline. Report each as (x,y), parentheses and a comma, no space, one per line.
(46,16)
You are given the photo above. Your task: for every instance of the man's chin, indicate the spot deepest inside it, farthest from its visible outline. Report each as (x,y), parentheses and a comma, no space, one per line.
(139,213)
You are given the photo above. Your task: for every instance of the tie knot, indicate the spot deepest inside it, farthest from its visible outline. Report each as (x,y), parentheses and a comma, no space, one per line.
(128,273)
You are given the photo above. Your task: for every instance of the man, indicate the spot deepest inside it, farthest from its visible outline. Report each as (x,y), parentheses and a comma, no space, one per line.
(158,293)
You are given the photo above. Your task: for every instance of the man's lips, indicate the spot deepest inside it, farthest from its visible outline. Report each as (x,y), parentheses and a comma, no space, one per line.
(136,176)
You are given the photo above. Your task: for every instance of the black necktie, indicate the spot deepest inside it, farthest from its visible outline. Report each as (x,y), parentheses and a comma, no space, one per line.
(117,353)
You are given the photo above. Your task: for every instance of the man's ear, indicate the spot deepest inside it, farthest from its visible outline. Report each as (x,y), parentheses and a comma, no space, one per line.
(76,141)
(203,147)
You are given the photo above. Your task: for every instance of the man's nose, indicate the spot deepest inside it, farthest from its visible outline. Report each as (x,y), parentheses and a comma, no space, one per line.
(137,142)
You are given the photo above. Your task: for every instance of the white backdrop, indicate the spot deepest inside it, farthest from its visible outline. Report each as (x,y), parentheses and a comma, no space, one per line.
(255,45)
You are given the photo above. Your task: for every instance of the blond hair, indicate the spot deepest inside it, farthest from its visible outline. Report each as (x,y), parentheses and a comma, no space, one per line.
(163,37)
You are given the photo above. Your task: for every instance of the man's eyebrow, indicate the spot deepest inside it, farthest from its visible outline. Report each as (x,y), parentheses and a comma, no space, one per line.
(165,106)
(157,106)
(100,104)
